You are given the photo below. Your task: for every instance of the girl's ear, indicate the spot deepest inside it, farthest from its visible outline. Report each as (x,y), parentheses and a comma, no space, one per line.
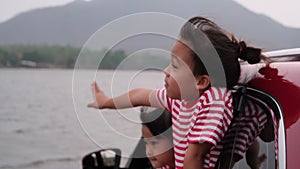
(203,82)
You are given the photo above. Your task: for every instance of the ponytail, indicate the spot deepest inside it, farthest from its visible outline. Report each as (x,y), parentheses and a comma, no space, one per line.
(250,54)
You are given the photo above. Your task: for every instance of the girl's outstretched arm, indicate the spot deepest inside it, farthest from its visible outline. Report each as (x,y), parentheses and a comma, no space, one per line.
(133,98)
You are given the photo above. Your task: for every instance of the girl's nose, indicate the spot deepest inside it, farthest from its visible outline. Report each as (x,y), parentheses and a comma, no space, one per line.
(149,152)
(167,70)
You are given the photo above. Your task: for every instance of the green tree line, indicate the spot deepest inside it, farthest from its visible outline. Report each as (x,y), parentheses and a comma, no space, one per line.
(66,56)
(57,56)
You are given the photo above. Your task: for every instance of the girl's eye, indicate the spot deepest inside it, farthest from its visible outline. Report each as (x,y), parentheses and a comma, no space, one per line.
(174,66)
(153,143)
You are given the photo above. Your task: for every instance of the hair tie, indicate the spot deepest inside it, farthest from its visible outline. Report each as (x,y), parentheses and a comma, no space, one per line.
(249,54)
(243,50)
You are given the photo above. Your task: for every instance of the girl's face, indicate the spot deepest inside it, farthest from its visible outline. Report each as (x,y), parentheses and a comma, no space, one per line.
(159,149)
(180,82)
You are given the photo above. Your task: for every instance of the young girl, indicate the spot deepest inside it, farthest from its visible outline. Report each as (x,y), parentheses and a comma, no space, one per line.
(201,113)
(157,134)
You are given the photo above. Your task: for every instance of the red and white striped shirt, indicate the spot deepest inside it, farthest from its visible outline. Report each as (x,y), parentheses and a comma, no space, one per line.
(205,121)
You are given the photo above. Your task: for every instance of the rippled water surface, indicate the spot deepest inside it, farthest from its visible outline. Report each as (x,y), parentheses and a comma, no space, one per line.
(43,126)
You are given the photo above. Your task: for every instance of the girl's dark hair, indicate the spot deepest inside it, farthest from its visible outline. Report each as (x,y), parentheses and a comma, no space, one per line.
(159,121)
(228,48)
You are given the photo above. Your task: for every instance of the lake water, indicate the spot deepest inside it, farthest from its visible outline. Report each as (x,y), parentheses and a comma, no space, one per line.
(44,121)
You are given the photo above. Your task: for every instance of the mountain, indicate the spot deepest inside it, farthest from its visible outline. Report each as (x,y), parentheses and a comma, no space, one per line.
(74,23)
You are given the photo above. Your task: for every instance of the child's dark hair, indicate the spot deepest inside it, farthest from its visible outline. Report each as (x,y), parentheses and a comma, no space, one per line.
(228,48)
(159,121)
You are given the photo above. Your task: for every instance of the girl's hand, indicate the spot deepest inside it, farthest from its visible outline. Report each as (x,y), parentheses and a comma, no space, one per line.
(99,97)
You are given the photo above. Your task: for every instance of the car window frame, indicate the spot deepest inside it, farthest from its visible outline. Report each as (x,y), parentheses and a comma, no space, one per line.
(274,104)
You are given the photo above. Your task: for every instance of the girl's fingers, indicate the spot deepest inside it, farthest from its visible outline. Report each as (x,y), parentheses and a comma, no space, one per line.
(97,92)
(94,105)
(90,105)
(95,87)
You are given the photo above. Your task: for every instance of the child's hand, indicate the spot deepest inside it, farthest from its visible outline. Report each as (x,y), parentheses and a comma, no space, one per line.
(99,97)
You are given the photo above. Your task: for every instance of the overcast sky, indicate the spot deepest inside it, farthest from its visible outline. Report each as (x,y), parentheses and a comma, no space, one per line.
(287,12)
